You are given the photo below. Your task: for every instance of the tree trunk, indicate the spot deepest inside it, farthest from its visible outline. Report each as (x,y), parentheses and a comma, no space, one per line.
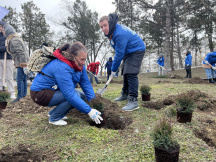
(167,41)
(178,48)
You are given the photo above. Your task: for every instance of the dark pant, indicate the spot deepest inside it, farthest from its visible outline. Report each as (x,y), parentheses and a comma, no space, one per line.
(188,71)
(130,85)
(108,74)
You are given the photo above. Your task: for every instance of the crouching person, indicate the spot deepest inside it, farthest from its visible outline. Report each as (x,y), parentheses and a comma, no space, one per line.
(55,84)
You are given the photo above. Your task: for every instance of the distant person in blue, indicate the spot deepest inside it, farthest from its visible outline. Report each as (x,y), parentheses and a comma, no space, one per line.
(160,62)
(188,63)
(209,65)
(130,48)
(108,67)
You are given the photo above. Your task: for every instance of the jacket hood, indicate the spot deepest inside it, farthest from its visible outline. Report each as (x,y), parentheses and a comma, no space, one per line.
(110,58)
(188,52)
(2,23)
(113,19)
(9,30)
(97,63)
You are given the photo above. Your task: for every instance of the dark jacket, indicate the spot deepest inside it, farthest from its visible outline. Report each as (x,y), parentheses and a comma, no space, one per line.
(109,64)
(3,47)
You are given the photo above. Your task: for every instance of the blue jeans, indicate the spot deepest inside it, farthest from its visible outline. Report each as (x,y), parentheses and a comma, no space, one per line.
(62,105)
(21,80)
(210,73)
(91,80)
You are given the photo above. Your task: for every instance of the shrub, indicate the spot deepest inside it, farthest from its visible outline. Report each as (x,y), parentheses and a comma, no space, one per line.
(185,104)
(170,111)
(4,96)
(145,89)
(162,135)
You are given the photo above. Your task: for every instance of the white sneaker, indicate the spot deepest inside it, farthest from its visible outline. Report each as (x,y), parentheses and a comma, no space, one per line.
(13,96)
(59,122)
(64,118)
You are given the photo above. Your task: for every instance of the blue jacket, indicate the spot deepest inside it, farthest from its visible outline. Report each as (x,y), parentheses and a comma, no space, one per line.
(160,61)
(188,60)
(109,64)
(124,41)
(211,58)
(3,47)
(66,79)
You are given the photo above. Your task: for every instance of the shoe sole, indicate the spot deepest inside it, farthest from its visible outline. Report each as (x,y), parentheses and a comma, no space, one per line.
(132,109)
(64,118)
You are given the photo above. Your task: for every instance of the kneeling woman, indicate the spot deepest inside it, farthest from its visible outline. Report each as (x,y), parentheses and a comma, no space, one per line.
(55,84)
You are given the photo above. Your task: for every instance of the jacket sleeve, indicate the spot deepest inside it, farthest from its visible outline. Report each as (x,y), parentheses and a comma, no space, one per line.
(120,47)
(86,85)
(17,49)
(64,77)
(3,49)
(88,67)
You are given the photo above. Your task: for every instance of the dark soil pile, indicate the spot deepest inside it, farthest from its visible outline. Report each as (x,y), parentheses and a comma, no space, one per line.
(204,102)
(207,132)
(117,82)
(115,118)
(175,77)
(166,81)
(196,80)
(23,153)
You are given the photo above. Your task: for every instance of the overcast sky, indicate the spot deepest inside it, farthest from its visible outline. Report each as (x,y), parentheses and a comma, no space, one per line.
(51,7)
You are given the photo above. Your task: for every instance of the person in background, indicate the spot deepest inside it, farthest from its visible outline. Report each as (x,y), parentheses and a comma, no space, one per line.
(57,86)
(93,68)
(209,65)
(9,64)
(108,67)
(160,62)
(16,48)
(130,48)
(188,63)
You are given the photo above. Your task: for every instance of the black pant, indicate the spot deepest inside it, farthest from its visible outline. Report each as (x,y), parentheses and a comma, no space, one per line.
(188,71)
(130,85)
(108,74)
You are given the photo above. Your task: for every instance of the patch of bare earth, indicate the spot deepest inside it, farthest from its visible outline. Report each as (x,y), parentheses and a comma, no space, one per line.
(205,104)
(23,153)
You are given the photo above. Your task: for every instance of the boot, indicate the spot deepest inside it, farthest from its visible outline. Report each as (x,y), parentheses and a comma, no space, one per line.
(131,105)
(214,79)
(123,96)
(211,80)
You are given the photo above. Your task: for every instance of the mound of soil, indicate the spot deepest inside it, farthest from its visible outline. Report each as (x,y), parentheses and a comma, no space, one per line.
(204,102)
(175,77)
(166,81)
(23,153)
(197,80)
(207,131)
(117,82)
(115,118)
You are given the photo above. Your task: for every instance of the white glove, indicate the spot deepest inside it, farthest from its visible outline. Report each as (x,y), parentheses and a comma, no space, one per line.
(213,67)
(26,71)
(187,64)
(95,116)
(206,62)
(113,74)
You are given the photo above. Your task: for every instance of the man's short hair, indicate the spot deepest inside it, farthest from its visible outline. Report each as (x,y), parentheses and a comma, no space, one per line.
(104,18)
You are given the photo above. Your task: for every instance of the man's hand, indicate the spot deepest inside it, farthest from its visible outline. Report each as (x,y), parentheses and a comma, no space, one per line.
(95,116)
(26,71)
(206,62)
(187,64)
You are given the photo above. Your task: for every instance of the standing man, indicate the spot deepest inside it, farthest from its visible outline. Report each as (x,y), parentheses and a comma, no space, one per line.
(9,64)
(188,63)
(93,68)
(160,62)
(16,48)
(130,48)
(108,66)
